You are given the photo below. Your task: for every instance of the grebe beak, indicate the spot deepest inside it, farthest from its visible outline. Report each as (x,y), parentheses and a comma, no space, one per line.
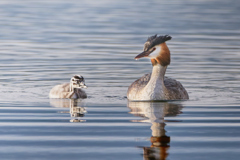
(143,54)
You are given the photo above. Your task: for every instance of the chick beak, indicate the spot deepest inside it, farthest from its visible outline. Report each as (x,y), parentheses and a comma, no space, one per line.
(143,54)
(84,86)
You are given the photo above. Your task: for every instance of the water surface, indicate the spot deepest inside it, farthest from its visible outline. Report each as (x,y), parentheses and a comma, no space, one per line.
(44,43)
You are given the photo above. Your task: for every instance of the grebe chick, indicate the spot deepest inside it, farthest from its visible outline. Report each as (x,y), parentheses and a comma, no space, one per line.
(70,90)
(155,86)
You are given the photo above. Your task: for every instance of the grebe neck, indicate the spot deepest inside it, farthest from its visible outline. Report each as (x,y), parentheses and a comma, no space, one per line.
(158,72)
(154,90)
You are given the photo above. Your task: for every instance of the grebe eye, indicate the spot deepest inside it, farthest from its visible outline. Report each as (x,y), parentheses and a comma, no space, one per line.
(72,79)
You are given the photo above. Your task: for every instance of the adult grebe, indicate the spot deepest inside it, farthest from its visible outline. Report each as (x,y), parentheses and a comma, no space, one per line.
(70,90)
(155,86)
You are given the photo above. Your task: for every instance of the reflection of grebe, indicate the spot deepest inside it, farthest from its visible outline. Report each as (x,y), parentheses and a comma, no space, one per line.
(155,113)
(70,90)
(155,86)
(74,105)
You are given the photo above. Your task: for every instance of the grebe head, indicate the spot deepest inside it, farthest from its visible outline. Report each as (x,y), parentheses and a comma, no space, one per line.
(77,81)
(156,49)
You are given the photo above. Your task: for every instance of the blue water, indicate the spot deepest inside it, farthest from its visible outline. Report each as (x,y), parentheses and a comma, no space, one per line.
(44,43)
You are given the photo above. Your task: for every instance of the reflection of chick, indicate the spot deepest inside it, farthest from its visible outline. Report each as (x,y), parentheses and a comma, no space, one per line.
(70,90)
(74,105)
(76,111)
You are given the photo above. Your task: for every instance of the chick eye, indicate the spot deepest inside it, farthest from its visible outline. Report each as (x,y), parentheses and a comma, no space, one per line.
(72,79)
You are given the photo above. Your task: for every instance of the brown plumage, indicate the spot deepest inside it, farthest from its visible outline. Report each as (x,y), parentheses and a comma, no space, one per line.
(164,58)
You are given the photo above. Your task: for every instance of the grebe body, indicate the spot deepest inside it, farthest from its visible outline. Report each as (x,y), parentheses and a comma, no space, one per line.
(156,86)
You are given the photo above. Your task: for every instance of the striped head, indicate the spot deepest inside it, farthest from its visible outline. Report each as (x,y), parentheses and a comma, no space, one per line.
(77,81)
(156,49)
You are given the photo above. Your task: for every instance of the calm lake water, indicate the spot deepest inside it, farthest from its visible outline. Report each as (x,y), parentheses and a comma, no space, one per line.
(44,43)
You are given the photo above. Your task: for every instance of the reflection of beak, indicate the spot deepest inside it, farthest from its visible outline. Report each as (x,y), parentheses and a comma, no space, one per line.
(143,54)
